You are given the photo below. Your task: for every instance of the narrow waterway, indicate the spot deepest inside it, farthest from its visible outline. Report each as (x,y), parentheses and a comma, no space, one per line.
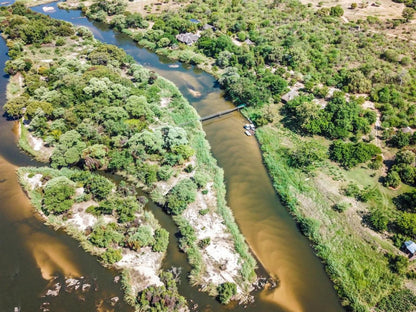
(268,228)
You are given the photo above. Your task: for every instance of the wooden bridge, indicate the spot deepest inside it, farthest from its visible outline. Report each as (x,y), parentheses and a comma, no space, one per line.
(222,113)
(216,114)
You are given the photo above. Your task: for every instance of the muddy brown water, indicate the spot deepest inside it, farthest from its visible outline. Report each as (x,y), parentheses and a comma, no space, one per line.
(34,257)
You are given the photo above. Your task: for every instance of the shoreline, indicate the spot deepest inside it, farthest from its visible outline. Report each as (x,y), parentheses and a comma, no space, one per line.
(289,199)
(209,164)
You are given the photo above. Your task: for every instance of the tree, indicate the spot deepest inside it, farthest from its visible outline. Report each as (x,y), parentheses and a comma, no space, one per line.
(126,208)
(392,179)
(407,201)
(408,14)
(350,154)
(68,150)
(407,224)
(111,256)
(58,194)
(307,157)
(137,107)
(105,235)
(379,220)
(226,291)
(142,237)
(151,141)
(180,196)
(14,107)
(99,186)
(405,157)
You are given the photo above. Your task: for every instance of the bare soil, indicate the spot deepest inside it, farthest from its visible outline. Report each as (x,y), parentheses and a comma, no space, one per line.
(383,9)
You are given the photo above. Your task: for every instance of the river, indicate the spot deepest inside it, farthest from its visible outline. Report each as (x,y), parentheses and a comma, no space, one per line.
(35,252)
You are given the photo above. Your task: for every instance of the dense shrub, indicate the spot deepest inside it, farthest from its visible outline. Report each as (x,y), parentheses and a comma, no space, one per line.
(105,236)
(180,196)
(398,301)
(161,240)
(351,154)
(58,194)
(111,256)
(226,291)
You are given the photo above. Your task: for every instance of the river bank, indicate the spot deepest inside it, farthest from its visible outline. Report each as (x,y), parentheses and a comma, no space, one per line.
(328,199)
(266,224)
(178,111)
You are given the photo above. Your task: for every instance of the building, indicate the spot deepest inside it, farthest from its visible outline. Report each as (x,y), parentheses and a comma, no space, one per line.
(409,247)
(188,38)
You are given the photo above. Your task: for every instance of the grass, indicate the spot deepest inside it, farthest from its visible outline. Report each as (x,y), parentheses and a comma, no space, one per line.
(24,143)
(353,258)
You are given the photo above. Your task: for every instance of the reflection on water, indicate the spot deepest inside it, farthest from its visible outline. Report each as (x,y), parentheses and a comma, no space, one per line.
(269,229)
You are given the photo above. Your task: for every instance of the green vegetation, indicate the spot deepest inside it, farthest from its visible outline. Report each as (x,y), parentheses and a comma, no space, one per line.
(289,43)
(57,195)
(100,111)
(162,298)
(226,291)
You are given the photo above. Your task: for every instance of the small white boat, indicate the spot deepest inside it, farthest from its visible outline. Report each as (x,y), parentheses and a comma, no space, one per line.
(252,127)
(173,66)
(247,126)
(48,9)
(247,133)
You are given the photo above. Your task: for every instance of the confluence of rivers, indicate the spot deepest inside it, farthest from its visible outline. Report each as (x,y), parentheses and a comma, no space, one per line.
(35,256)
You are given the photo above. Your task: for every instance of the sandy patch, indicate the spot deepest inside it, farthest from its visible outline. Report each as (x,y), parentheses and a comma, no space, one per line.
(164,102)
(38,145)
(143,266)
(35,181)
(194,93)
(222,262)
(81,219)
(236,42)
(384,9)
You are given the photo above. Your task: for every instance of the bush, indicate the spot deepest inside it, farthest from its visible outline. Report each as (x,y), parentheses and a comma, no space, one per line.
(309,156)
(161,240)
(111,256)
(226,291)
(398,263)
(204,242)
(203,212)
(164,173)
(336,11)
(99,186)
(341,207)
(349,154)
(406,224)
(398,301)
(180,196)
(105,235)
(141,238)
(57,195)
(392,179)
(379,220)
(310,228)
(352,190)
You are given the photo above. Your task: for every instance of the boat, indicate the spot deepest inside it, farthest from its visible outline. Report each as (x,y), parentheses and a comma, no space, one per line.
(48,9)
(173,66)
(247,133)
(247,127)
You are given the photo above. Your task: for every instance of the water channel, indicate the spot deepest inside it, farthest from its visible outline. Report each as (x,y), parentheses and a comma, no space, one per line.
(33,253)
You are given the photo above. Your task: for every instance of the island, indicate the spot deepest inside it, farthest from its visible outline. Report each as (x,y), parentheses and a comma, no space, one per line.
(111,129)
